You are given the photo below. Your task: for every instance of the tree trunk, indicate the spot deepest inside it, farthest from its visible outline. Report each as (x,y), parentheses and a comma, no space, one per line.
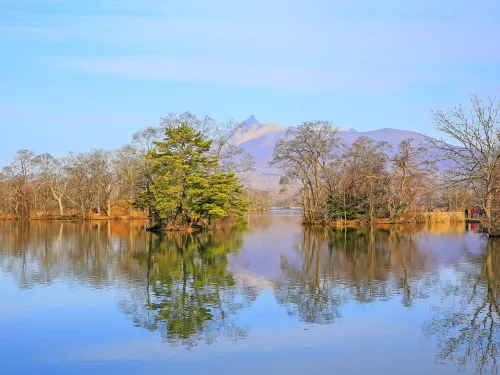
(98,204)
(489,198)
(61,208)
(108,206)
(304,204)
(371,203)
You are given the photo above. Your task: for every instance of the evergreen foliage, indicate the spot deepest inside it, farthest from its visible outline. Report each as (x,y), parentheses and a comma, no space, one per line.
(187,188)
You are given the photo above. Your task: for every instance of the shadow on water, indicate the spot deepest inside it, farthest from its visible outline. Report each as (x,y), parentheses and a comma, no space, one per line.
(184,286)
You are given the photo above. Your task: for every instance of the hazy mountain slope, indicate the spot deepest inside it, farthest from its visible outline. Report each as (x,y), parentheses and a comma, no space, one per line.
(391,136)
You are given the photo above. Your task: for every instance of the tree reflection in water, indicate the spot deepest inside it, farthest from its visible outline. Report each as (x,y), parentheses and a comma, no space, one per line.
(468,331)
(188,294)
(363,265)
(181,285)
(178,284)
(96,254)
(307,291)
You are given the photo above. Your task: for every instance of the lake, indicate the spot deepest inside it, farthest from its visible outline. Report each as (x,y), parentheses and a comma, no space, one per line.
(262,297)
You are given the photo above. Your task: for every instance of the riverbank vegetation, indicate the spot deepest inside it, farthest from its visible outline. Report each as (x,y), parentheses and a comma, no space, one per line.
(368,181)
(360,182)
(102,184)
(187,172)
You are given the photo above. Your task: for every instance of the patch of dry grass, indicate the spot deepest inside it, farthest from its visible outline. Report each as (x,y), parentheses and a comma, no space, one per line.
(438,217)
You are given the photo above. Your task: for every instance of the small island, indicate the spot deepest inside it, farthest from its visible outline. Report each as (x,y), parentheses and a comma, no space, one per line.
(187,188)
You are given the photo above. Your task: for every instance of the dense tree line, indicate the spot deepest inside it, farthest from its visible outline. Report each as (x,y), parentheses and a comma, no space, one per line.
(364,180)
(102,182)
(361,180)
(40,185)
(356,182)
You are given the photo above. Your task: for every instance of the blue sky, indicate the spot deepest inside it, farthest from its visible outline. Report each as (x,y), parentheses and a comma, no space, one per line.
(83,74)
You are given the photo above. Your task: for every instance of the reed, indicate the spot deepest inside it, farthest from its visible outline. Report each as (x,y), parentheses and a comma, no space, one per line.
(438,217)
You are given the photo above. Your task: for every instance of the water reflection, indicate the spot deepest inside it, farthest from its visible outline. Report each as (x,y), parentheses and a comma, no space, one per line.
(178,284)
(468,327)
(362,265)
(98,253)
(194,289)
(188,293)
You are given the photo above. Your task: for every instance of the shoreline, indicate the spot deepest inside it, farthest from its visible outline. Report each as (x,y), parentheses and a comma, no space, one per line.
(69,218)
(431,217)
(356,223)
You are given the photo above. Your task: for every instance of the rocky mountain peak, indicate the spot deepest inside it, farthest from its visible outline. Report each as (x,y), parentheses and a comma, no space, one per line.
(251,121)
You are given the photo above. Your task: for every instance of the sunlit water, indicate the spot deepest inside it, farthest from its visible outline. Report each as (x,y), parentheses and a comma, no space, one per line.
(268,297)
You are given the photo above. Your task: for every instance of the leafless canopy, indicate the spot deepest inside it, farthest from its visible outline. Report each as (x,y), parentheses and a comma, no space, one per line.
(304,155)
(475,159)
(90,183)
(232,157)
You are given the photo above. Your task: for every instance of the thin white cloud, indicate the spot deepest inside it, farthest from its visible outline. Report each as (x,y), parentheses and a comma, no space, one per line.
(312,46)
(353,78)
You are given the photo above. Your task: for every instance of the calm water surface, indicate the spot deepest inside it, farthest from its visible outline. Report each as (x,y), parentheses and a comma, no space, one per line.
(268,297)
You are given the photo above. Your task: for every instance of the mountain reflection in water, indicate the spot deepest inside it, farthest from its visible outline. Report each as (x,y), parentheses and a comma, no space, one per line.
(207,289)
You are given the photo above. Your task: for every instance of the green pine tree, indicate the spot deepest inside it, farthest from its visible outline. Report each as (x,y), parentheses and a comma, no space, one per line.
(187,189)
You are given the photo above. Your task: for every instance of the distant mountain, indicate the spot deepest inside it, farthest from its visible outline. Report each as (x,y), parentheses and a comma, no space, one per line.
(253,129)
(259,140)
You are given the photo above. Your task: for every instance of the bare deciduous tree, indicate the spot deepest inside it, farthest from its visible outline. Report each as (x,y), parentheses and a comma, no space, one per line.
(409,177)
(367,168)
(476,158)
(304,156)
(19,173)
(53,174)
(232,157)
